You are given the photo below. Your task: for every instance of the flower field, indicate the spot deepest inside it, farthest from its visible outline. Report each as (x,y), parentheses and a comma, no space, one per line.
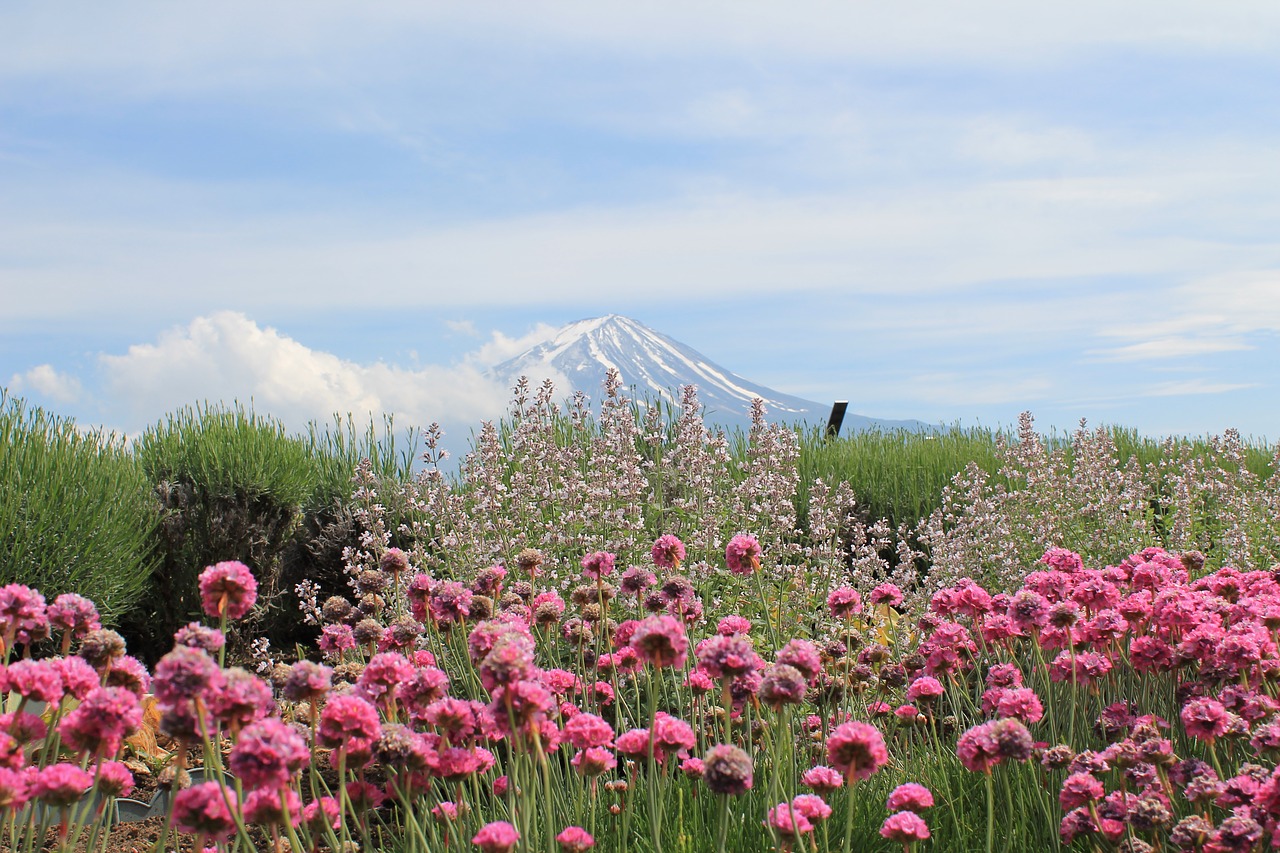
(628,638)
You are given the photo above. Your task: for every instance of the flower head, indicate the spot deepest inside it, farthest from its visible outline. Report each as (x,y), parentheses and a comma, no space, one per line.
(496,837)
(742,554)
(727,770)
(904,827)
(228,589)
(203,809)
(668,552)
(857,750)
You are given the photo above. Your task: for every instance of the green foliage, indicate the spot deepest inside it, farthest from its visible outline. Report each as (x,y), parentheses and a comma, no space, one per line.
(233,485)
(74,511)
(897,475)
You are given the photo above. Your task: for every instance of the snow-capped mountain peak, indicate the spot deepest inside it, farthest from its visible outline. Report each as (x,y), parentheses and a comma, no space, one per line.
(652,364)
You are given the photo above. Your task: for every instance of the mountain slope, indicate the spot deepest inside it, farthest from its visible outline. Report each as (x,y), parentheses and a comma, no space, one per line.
(656,366)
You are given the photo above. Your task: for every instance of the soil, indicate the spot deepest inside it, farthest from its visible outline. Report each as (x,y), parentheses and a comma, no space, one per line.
(141,837)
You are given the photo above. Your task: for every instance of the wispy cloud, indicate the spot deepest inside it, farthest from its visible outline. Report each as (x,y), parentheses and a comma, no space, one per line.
(1187,387)
(47,381)
(227,356)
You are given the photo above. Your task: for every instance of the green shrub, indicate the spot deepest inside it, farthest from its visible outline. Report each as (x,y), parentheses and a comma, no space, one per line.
(233,485)
(74,510)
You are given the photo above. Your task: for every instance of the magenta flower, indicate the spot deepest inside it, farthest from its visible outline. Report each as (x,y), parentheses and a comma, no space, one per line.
(1020,703)
(394,562)
(323,813)
(496,837)
(383,673)
(1079,790)
(13,788)
(114,779)
(202,809)
(598,564)
(59,785)
(727,770)
(733,624)
(348,722)
(668,552)
(575,839)
(822,779)
(78,678)
(727,657)
(857,750)
(228,589)
(804,656)
(262,807)
(36,680)
(661,641)
(99,724)
(597,760)
(911,797)
(742,554)
(844,603)
(185,674)
(977,748)
(782,684)
(787,822)
(924,689)
(812,807)
(904,827)
(240,698)
(588,730)
(268,754)
(1205,719)
(886,594)
(73,614)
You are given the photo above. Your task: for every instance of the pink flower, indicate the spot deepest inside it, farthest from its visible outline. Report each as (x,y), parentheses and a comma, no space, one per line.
(812,807)
(60,785)
(822,779)
(241,698)
(727,770)
(597,760)
(348,722)
(37,680)
(394,561)
(671,735)
(661,640)
(1205,719)
(307,682)
(733,624)
(262,807)
(588,730)
(496,837)
(978,750)
(844,603)
(909,797)
(886,594)
(742,554)
(203,809)
(804,656)
(384,672)
(781,685)
(904,828)
(114,779)
(78,678)
(598,565)
(1078,790)
(727,657)
(924,689)
(857,750)
(228,589)
(786,821)
(668,552)
(693,768)
(268,754)
(185,674)
(322,813)
(73,614)
(13,788)
(1021,703)
(99,724)
(575,839)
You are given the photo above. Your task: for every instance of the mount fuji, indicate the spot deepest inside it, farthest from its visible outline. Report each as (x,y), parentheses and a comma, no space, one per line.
(654,366)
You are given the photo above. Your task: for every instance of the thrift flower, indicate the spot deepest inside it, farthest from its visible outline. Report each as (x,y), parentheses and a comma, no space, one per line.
(904,827)
(228,589)
(496,837)
(742,554)
(668,552)
(857,750)
(727,770)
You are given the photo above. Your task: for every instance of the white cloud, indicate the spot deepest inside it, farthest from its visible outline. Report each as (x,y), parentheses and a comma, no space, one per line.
(47,381)
(463,327)
(501,347)
(226,356)
(1194,386)
(163,47)
(1160,349)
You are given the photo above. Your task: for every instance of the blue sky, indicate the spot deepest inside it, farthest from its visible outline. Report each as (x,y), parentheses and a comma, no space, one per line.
(937,212)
